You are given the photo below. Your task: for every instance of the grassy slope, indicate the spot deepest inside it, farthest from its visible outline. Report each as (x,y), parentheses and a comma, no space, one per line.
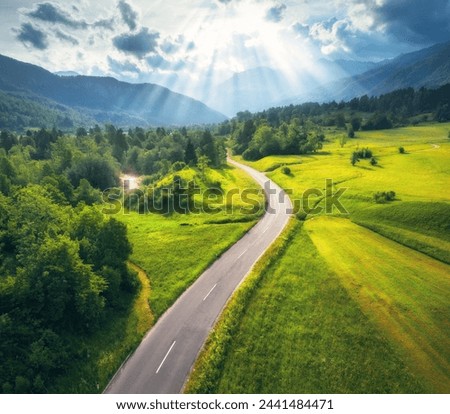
(169,253)
(174,250)
(421,179)
(404,292)
(301,333)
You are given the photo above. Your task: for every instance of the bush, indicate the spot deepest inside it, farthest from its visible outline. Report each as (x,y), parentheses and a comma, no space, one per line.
(401,150)
(384,197)
(373,161)
(364,153)
(286,170)
(351,132)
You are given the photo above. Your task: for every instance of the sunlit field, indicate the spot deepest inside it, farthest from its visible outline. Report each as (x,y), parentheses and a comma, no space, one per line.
(344,309)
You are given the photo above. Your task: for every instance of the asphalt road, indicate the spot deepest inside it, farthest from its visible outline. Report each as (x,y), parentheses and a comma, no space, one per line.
(163,360)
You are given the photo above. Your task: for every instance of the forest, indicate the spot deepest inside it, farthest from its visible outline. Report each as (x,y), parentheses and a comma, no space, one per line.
(299,129)
(63,263)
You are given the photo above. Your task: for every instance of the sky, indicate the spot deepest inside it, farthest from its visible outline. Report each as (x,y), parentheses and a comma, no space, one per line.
(193,45)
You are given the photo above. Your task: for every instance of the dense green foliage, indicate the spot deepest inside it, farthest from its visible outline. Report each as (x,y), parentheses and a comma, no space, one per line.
(298,129)
(61,269)
(257,140)
(63,263)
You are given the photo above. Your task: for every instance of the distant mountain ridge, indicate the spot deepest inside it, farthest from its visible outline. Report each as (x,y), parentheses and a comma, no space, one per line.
(257,88)
(428,67)
(103,98)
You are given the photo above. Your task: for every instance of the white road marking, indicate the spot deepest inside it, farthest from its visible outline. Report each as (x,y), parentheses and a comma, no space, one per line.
(168,352)
(267,228)
(242,253)
(209,292)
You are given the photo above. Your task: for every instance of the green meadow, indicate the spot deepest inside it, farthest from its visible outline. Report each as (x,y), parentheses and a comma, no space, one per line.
(358,302)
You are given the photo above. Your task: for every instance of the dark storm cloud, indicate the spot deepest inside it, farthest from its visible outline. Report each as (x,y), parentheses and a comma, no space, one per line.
(415,21)
(52,13)
(138,44)
(275,13)
(129,16)
(31,36)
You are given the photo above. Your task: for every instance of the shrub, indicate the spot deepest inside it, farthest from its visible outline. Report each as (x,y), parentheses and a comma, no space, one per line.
(364,153)
(373,161)
(401,150)
(286,170)
(384,196)
(351,132)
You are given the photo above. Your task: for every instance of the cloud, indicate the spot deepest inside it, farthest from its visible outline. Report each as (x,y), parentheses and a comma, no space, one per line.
(275,13)
(105,23)
(129,16)
(172,45)
(52,13)
(138,44)
(29,35)
(157,62)
(65,37)
(120,67)
(301,29)
(413,21)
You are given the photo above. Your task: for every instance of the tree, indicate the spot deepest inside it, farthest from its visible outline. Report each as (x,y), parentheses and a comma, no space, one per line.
(356,123)
(208,148)
(340,120)
(7,140)
(243,135)
(342,140)
(81,132)
(202,164)
(190,157)
(100,172)
(350,132)
(354,158)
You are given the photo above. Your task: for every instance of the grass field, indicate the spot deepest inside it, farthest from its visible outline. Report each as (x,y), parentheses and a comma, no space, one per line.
(173,250)
(405,293)
(345,309)
(301,332)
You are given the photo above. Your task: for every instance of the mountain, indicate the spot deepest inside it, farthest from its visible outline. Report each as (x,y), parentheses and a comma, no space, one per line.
(249,90)
(67,73)
(103,99)
(258,88)
(428,67)
(343,68)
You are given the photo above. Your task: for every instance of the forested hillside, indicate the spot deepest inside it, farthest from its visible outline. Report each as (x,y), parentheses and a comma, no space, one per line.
(63,263)
(299,129)
(103,99)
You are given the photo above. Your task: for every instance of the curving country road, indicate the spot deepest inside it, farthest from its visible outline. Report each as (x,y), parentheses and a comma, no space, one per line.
(163,360)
